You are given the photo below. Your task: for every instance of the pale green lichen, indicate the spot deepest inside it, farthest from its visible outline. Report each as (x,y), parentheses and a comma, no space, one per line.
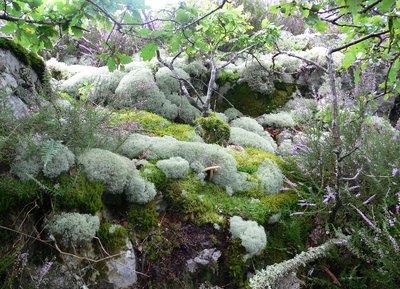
(249,124)
(246,138)
(73,229)
(174,168)
(168,82)
(118,174)
(61,162)
(138,89)
(95,84)
(271,177)
(232,113)
(279,120)
(207,155)
(251,234)
(270,277)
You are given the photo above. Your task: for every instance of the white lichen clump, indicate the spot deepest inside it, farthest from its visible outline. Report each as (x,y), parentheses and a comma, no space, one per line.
(73,229)
(246,138)
(138,89)
(271,177)
(204,154)
(279,120)
(249,124)
(118,174)
(251,234)
(174,168)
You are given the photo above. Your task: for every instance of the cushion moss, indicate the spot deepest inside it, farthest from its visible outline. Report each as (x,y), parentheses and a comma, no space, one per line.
(156,125)
(208,203)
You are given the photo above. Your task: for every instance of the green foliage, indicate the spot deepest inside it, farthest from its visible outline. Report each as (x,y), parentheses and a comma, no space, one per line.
(113,237)
(143,218)
(15,194)
(77,193)
(254,157)
(214,130)
(28,58)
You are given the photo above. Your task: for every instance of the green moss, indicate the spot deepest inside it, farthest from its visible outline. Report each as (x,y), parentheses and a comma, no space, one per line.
(143,218)
(154,175)
(112,237)
(6,264)
(254,103)
(155,125)
(28,58)
(15,194)
(214,130)
(69,98)
(76,192)
(208,203)
(235,268)
(251,157)
(247,169)
(227,77)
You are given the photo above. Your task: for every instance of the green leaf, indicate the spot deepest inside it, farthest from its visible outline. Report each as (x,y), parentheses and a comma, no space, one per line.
(145,32)
(357,77)
(386,5)
(9,28)
(349,58)
(111,64)
(149,51)
(320,26)
(125,59)
(77,32)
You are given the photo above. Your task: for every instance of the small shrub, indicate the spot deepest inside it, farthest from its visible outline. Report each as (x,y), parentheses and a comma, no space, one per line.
(73,229)
(251,234)
(174,168)
(214,130)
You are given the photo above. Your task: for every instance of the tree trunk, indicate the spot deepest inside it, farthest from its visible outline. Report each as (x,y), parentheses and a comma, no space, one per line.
(211,83)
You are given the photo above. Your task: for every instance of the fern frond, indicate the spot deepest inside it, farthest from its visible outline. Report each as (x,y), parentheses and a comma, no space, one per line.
(49,150)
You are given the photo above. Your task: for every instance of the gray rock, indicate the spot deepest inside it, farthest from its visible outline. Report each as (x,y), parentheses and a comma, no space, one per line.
(205,257)
(122,270)
(16,105)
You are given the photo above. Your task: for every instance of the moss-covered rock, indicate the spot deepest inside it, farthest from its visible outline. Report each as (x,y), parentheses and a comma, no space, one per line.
(113,237)
(214,130)
(254,103)
(28,58)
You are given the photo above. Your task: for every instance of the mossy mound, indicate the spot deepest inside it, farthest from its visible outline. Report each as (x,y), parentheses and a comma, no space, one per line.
(254,103)
(208,203)
(113,237)
(28,58)
(156,125)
